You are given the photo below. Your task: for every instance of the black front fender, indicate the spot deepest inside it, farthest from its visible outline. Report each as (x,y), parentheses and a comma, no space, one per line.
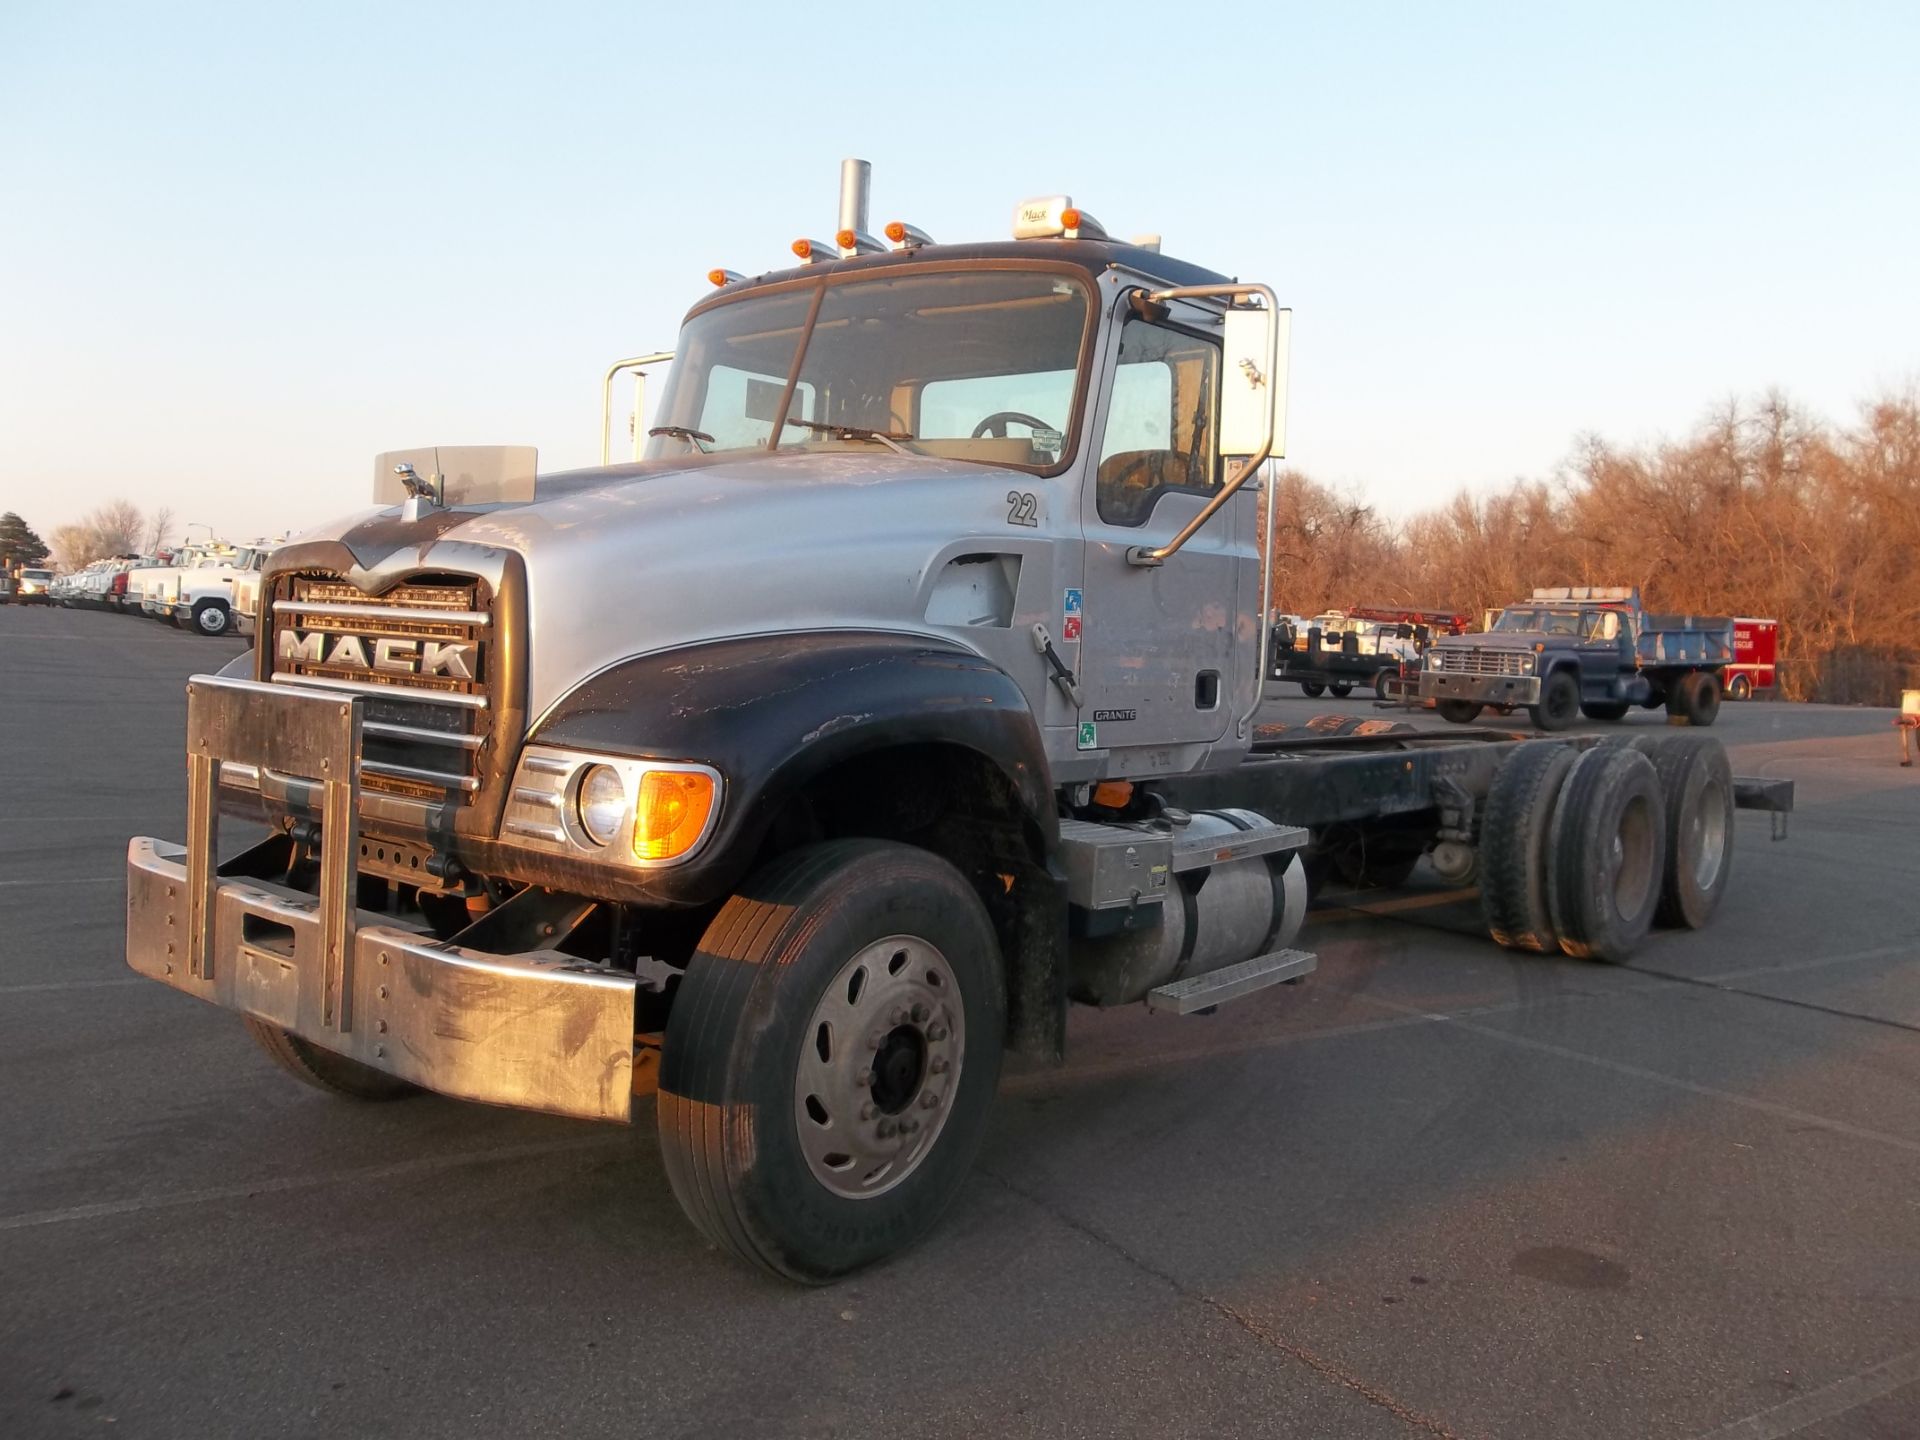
(771,712)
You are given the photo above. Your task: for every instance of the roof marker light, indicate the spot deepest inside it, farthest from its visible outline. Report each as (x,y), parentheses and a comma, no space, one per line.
(724,277)
(907,237)
(811,252)
(853,242)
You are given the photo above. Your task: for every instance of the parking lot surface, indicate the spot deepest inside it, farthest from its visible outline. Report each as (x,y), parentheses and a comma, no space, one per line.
(1438,1190)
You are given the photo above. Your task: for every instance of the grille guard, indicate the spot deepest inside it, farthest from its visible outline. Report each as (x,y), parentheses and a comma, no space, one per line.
(540,1030)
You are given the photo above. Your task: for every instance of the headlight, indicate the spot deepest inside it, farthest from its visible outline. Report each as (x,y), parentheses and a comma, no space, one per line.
(600,804)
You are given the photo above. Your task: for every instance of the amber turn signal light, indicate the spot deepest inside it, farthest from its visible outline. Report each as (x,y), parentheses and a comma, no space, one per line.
(671,814)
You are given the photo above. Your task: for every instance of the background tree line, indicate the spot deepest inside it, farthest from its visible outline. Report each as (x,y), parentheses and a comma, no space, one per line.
(117,527)
(1762,510)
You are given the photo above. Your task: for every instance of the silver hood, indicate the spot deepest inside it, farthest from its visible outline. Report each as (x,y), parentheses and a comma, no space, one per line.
(623,563)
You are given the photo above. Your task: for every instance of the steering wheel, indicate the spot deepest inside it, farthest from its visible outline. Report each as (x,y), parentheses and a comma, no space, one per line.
(996,424)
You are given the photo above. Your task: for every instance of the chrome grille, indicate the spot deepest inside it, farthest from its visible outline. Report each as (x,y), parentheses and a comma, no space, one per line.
(423,732)
(1476,661)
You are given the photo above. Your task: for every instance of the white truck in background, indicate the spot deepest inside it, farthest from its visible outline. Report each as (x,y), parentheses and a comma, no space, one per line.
(200,594)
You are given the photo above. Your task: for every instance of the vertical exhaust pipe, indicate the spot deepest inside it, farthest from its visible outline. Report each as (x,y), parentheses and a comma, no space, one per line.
(856,179)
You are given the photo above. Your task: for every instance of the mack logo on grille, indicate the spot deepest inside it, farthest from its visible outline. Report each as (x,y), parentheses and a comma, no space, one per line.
(391,654)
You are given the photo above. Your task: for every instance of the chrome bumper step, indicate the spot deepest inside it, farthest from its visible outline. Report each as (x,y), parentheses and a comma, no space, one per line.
(1231,982)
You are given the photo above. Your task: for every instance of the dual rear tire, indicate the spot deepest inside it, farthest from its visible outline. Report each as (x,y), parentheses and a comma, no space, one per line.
(1583,851)
(1694,698)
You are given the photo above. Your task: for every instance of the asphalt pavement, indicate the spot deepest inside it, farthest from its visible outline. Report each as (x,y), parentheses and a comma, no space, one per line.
(1438,1190)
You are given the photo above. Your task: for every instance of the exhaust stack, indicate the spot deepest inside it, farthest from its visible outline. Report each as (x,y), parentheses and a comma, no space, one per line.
(856,181)
(850,235)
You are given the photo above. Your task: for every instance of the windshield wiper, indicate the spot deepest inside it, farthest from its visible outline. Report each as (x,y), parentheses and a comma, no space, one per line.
(683,432)
(889,438)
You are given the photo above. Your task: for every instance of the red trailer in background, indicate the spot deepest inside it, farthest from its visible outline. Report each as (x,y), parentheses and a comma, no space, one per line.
(1756,647)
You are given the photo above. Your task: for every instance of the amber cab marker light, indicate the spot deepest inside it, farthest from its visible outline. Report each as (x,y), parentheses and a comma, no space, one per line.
(896,231)
(845,239)
(1070,219)
(803,248)
(671,813)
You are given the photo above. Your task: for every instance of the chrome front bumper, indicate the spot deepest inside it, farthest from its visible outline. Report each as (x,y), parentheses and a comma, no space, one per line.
(539,1030)
(1480,689)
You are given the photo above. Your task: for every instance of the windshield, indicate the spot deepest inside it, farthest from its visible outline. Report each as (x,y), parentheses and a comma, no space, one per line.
(1540,622)
(977,365)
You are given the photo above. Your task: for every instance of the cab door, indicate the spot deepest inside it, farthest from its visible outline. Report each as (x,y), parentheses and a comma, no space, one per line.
(1160,647)
(1605,654)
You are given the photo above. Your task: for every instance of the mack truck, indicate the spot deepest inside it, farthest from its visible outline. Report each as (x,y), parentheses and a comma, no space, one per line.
(1574,650)
(902,694)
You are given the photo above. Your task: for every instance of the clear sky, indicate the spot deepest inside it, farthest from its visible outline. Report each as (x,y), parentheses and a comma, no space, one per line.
(244,247)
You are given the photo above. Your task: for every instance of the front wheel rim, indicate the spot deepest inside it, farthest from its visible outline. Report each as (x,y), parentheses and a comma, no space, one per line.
(879,1066)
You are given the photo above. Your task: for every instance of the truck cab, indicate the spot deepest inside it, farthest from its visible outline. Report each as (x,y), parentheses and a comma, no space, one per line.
(34,586)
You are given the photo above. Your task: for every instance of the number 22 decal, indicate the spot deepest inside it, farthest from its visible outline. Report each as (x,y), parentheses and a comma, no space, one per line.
(1022,508)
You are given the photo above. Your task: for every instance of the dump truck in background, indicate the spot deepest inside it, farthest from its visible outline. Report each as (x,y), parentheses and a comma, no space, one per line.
(902,694)
(1574,650)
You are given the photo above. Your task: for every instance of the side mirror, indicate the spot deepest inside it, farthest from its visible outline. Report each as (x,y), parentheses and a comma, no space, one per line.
(1253,387)
(1253,401)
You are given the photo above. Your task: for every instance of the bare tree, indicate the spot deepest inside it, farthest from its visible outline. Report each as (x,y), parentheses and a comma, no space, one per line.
(159,530)
(113,528)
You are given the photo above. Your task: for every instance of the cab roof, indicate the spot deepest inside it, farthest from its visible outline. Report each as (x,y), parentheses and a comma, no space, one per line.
(1093,256)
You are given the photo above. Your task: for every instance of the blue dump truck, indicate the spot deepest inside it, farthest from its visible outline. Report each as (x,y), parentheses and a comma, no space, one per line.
(1576,650)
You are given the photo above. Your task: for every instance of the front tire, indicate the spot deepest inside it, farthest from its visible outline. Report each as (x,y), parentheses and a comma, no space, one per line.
(1312,689)
(1740,688)
(1559,703)
(324,1070)
(1460,712)
(831,1058)
(1341,689)
(211,617)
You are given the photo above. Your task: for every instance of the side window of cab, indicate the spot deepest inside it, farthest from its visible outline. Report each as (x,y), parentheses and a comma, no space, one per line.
(1160,421)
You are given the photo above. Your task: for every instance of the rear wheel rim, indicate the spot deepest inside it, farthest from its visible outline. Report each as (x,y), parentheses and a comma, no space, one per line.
(879,1065)
(1706,835)
(1631,858)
